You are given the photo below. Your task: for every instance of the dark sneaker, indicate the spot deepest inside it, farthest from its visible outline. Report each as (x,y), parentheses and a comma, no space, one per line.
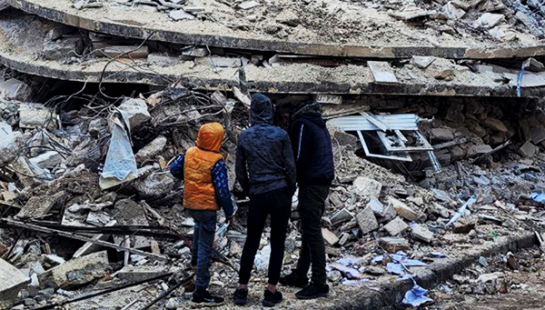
(313,291)
(270,299)
(240,298)
(204,299)
(294,280)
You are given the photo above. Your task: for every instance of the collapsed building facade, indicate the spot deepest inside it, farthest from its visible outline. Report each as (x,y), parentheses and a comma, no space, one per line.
(436,112)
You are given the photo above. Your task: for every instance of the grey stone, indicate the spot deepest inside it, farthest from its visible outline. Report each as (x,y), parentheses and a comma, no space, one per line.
(494,124)
(15,89)
(156,185)
(528,149)
(196,52)
(48,159)
(37,116)
(151,150)
(38,207)
(334,276)
(403,210)
(163,60)
(374,270)
(330,237)
(376,206)
(389,212)
(423,62)
(77,272)
(392,244)
(137,110)
(367,187)
(340,216)
(421,233)
(476,150)
(288,17)
(482,180)
(367,221)
(62,49)
(442,134)
(488,20)
(180,15)
(175,303)
(9,144)
(396,227)
(246,5)
(12,280)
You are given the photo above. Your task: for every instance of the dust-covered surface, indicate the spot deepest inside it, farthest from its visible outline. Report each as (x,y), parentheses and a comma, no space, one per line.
(359,27)
(516,283)
(23,43)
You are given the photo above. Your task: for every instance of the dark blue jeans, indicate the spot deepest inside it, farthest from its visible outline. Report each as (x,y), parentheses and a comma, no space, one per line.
(203,241)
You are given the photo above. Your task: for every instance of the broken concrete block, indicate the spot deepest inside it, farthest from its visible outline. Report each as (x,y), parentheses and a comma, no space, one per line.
(62,49)
(442,134)
(528,149)
(376,206)
(246,5)
(195,53)
(89,247)
(453,12)
(47,160)
(389,212)
(124,51)
(220,62)
(340,216)
(151,150)
(494,124)
(488,20)
(156,185)
(37,207)
(163,60)
(476,150)
(367,187)
(421,233)
(393,245)
(367,220)
(76,272)
(37,116)
(423,62)
(403,210)
(288,17)
(140,273)
(12,280)
(14,89)
(330,237)
(396,226)
(180,15)
(138,111)
(129,212)
(382,72)
(9,144)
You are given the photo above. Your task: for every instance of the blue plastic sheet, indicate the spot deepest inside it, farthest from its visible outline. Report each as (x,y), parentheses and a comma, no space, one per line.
(416,296)
(538,196)
(395,269)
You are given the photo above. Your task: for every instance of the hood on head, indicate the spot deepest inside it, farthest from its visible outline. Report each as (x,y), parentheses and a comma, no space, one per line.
(210,137)
(262,110)
(310,111)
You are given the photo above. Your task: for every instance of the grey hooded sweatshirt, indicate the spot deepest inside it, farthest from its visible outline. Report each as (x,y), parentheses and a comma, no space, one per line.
(265,159)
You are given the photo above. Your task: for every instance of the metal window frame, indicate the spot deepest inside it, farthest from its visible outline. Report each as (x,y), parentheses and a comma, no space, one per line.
(406,158)
(420,137)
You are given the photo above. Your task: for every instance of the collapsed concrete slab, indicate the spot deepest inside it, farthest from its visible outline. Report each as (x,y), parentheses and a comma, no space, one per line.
(234,32)
(12,280)
(284,77)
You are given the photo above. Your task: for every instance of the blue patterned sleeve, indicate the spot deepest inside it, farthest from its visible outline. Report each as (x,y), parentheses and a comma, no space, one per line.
(177,167)
(221,185)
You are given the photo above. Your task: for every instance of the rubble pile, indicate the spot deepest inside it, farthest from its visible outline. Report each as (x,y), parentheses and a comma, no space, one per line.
(506,279)
(91,191)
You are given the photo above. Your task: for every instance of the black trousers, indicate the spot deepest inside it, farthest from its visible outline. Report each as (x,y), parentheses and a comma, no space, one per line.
(277,203)
(311,208)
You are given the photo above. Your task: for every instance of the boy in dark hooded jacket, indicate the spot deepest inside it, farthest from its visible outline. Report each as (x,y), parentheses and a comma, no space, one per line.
(315,172)
(265,169)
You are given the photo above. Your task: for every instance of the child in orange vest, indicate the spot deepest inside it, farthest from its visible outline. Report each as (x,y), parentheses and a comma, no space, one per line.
(206,189)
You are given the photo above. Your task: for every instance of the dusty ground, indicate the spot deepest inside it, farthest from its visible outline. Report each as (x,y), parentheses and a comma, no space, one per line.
(525,292)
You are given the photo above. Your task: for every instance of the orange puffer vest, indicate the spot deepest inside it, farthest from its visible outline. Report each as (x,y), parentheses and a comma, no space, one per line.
(199,192)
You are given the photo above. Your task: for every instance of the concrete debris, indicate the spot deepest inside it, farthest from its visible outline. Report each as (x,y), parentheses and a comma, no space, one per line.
(382,72)
(9,144)
(137,110)
(396,227)
(180,15)
(367,221)
(246,5)
(14,89)
(488,20)
(367,187)
(423,62)
(76,272)
(330,237)
(151,150)
(37,116)
(403,210)
(12,280)
(39,206)
(394,245)
(528,149)
(421,233)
